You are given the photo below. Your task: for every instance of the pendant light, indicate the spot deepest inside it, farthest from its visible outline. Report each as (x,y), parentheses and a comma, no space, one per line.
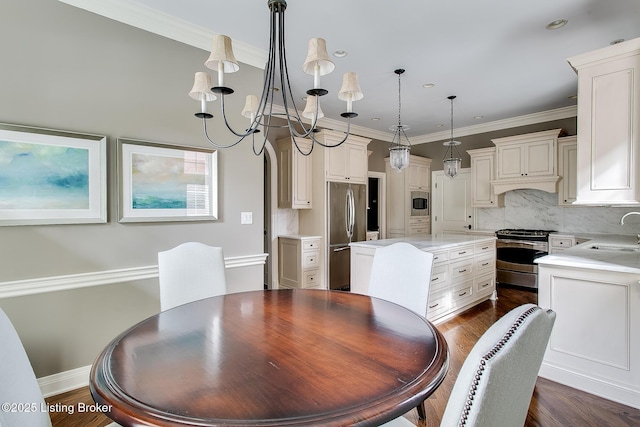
(451,164)
(399,152)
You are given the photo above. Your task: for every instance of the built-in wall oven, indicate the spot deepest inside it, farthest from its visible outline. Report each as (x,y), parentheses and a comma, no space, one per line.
(419,203)
(516,252)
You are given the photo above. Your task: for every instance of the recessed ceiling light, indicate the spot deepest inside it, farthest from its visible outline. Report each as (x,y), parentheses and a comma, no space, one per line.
(558,23)
(375,119)
(478,117)
(439,125)
(428,85)
(340,53)
(616,41)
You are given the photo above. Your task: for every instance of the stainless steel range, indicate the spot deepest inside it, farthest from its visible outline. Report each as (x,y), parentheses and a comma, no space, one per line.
(517,250)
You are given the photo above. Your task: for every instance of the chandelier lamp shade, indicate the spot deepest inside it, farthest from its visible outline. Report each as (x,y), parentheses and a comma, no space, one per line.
(451,163)
(276,89)
(399,151)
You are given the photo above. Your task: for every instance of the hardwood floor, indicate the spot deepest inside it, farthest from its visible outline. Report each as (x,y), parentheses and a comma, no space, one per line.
(552,405)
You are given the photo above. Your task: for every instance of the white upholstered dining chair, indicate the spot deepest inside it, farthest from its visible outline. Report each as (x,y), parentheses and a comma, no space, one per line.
(18,382)
(401,273)
(190,272)
(496,381)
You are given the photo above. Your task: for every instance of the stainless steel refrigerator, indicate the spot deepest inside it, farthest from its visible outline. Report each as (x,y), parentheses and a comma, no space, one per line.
(347,223)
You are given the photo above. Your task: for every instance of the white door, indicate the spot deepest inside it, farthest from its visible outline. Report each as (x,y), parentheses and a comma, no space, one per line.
(451,201)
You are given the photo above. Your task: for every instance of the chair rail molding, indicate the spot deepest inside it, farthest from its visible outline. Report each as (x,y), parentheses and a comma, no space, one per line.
(17,288)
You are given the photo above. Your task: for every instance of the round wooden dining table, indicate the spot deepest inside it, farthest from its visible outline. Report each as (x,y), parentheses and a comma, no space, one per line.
(271,358)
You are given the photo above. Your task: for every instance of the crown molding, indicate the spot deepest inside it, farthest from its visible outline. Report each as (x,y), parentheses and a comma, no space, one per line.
(529,119)
(167,26)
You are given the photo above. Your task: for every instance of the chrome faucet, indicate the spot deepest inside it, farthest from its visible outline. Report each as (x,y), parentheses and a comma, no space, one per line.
(626,215)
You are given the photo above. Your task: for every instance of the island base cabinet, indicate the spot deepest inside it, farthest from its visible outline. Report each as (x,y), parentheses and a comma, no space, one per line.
(595,342)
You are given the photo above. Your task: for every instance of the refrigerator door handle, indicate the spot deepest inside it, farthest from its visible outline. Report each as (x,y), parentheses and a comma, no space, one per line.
(350,213)
(347,214)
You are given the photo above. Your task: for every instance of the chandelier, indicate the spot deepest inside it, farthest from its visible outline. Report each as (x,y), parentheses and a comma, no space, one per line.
(451,164)
(399,152)
(276,81)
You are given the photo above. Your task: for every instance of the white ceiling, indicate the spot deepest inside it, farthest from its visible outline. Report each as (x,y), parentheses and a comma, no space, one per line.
(495,55)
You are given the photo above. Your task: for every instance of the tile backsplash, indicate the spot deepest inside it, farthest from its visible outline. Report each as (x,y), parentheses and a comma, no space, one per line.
(535,209)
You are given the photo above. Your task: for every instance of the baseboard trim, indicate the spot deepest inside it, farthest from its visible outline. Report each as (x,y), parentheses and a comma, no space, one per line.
(17,288)
(64,381)
(607,390)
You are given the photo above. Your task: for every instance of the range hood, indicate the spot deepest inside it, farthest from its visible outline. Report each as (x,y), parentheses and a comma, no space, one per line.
(527,161)
(543,183)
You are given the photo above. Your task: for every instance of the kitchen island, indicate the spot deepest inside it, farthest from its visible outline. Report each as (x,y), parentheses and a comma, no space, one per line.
(594,288)
(463,274)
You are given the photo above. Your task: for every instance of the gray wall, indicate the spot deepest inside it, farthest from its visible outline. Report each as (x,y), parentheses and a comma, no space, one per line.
(65,68)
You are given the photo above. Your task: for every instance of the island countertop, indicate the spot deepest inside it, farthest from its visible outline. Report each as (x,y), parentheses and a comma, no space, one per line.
(617,253)
(430,242)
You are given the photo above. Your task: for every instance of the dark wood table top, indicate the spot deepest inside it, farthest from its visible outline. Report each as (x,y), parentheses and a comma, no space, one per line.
(272,358)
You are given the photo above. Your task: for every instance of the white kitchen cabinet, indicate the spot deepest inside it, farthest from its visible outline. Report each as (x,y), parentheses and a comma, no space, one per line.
(299,262)
(595,341)
(483,171)
(348,162)
(294,174)
(568,170)
(419,225)
(373,235)
(419,173)
(561,242)
(400,223)
(527,161)
(609,125)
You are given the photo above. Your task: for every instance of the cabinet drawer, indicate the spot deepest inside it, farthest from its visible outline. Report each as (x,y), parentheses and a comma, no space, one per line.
(418,220)
(485,285)
(438,304)
(462,292)
(561,242)
(485,264)
(440,257)
(310,244)
(461,252)
(310,278)
(418,230)
(483,248)
(438,278)
(461,270)
(310,259)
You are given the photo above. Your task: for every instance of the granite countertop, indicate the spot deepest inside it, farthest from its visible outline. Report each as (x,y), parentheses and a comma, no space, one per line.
(624,257)
(430,242)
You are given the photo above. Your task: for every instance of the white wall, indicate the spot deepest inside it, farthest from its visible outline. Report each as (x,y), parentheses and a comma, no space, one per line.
(65,68)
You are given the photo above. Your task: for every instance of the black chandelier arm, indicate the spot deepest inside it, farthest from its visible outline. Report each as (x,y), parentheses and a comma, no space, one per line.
(206,135)
(346,136)
(249,131)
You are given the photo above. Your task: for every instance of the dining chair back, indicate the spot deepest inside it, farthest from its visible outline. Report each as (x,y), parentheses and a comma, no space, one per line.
(401,273)
(496,381)
(190,272)
(18,384)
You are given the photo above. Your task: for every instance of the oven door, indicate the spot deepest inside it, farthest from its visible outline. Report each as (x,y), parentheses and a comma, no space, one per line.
(516,255)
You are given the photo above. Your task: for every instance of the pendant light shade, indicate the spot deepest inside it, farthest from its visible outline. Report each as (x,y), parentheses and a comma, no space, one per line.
(451,164)
(399,151)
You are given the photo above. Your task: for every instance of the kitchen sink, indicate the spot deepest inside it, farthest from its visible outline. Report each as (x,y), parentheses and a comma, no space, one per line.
(616,248)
